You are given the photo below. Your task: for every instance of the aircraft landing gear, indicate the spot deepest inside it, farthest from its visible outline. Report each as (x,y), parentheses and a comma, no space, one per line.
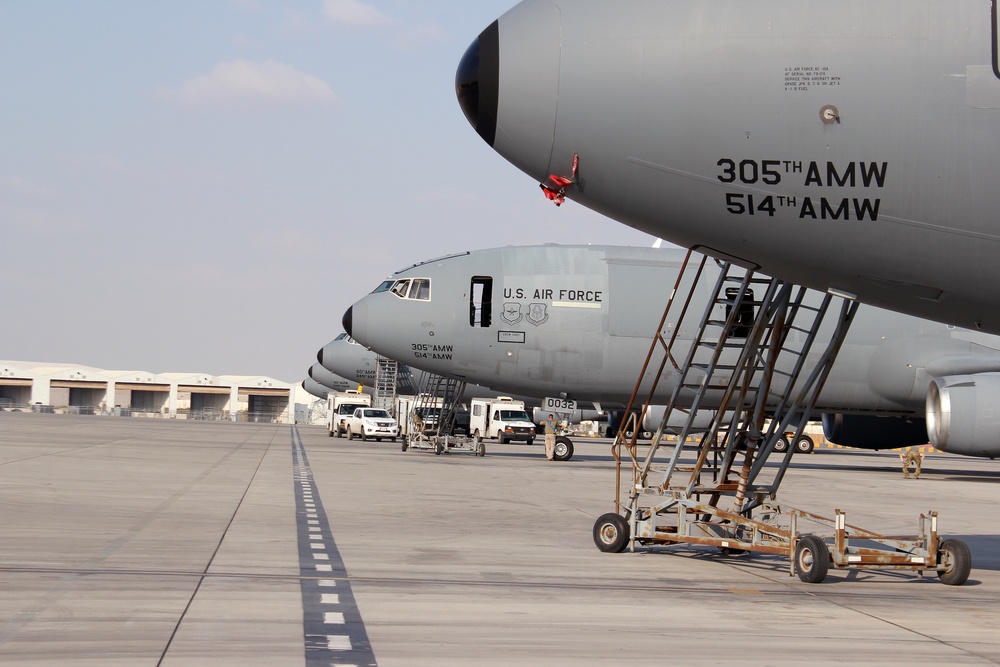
(564,449)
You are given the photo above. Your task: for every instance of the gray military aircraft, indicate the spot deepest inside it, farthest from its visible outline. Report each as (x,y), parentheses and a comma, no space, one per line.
(315,388)
(576,321)
(331,381)
(851,146)
(345,356)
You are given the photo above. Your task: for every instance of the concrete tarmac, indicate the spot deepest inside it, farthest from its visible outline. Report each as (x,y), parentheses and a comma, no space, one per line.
(161,542)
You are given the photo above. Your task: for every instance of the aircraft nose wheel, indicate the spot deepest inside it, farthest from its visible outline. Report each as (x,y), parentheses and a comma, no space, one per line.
(564,449)
(611,533)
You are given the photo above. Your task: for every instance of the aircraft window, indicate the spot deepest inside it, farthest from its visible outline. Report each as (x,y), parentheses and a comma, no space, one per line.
(384,287)
(481,302)
(341,336)
(421,289)
(400,288)
(743,321)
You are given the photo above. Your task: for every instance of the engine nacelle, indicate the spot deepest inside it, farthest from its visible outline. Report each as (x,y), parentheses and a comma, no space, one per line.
(702,420)
(872,432)
(963,414)
(539,416)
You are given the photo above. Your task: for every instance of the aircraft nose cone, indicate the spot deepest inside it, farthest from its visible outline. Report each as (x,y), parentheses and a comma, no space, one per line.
(356,322)
(348,323)
(477,83)
(515,108)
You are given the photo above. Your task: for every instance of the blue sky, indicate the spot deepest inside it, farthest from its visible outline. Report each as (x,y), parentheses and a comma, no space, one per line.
(207,186)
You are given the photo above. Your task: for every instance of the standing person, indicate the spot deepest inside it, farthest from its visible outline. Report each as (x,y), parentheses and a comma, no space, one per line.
(550,438)
(911,457)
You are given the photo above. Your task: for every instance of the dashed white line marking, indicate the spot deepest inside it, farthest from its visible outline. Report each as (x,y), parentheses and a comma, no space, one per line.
(331,643)
(328,583)
(334,618)
(338,643)
(321,557)
(329,598)
(320,567)
(319,546)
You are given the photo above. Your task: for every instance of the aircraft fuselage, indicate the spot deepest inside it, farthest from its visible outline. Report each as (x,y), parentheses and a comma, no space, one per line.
(852,146)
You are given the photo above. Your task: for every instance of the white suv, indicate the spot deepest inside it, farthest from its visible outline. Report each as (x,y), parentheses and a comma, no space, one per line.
(371,423)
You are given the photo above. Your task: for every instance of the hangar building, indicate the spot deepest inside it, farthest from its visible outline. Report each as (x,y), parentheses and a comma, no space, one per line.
(47,387)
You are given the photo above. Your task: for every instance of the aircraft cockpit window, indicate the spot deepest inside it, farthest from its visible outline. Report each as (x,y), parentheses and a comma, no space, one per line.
(421,289)
(341,336)
(401,288)
(384,287)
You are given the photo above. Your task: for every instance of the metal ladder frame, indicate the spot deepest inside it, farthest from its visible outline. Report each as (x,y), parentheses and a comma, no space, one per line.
(386,371)
(670,503)
(444,394)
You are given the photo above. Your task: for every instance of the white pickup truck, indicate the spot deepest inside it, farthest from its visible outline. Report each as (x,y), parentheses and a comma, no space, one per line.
(370,422)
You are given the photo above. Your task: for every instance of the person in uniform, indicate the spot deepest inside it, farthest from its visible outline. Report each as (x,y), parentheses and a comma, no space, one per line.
(911,457)
(550,438)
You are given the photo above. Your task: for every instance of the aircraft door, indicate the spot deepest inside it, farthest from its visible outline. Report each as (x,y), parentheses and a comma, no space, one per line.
(481,302)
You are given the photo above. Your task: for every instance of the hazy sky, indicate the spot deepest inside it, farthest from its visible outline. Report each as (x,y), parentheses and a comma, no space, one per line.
(206,185)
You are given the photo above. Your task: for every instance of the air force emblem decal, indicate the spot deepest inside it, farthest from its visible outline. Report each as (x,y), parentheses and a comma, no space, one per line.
(511,313)
(538,314)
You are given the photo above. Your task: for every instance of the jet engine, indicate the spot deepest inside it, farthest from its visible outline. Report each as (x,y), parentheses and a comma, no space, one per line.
(677,419)
(539,416)
(874,432)
(963,414)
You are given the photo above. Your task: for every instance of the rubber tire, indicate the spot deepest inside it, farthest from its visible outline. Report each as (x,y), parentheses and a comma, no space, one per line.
(405,444)
(529,441)
(392,439)
(339,434)
(611,533)
(364,436)
(502,438)
(781,445)
(438,449)
(563,449)
(804,445)
(480,448)
(957,572)
(378,439)
(330,434)
(350,433)
(812,559)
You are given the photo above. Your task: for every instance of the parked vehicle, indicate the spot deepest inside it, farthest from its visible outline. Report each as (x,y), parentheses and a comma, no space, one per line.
(369,422)
(341,405)
(502,418)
